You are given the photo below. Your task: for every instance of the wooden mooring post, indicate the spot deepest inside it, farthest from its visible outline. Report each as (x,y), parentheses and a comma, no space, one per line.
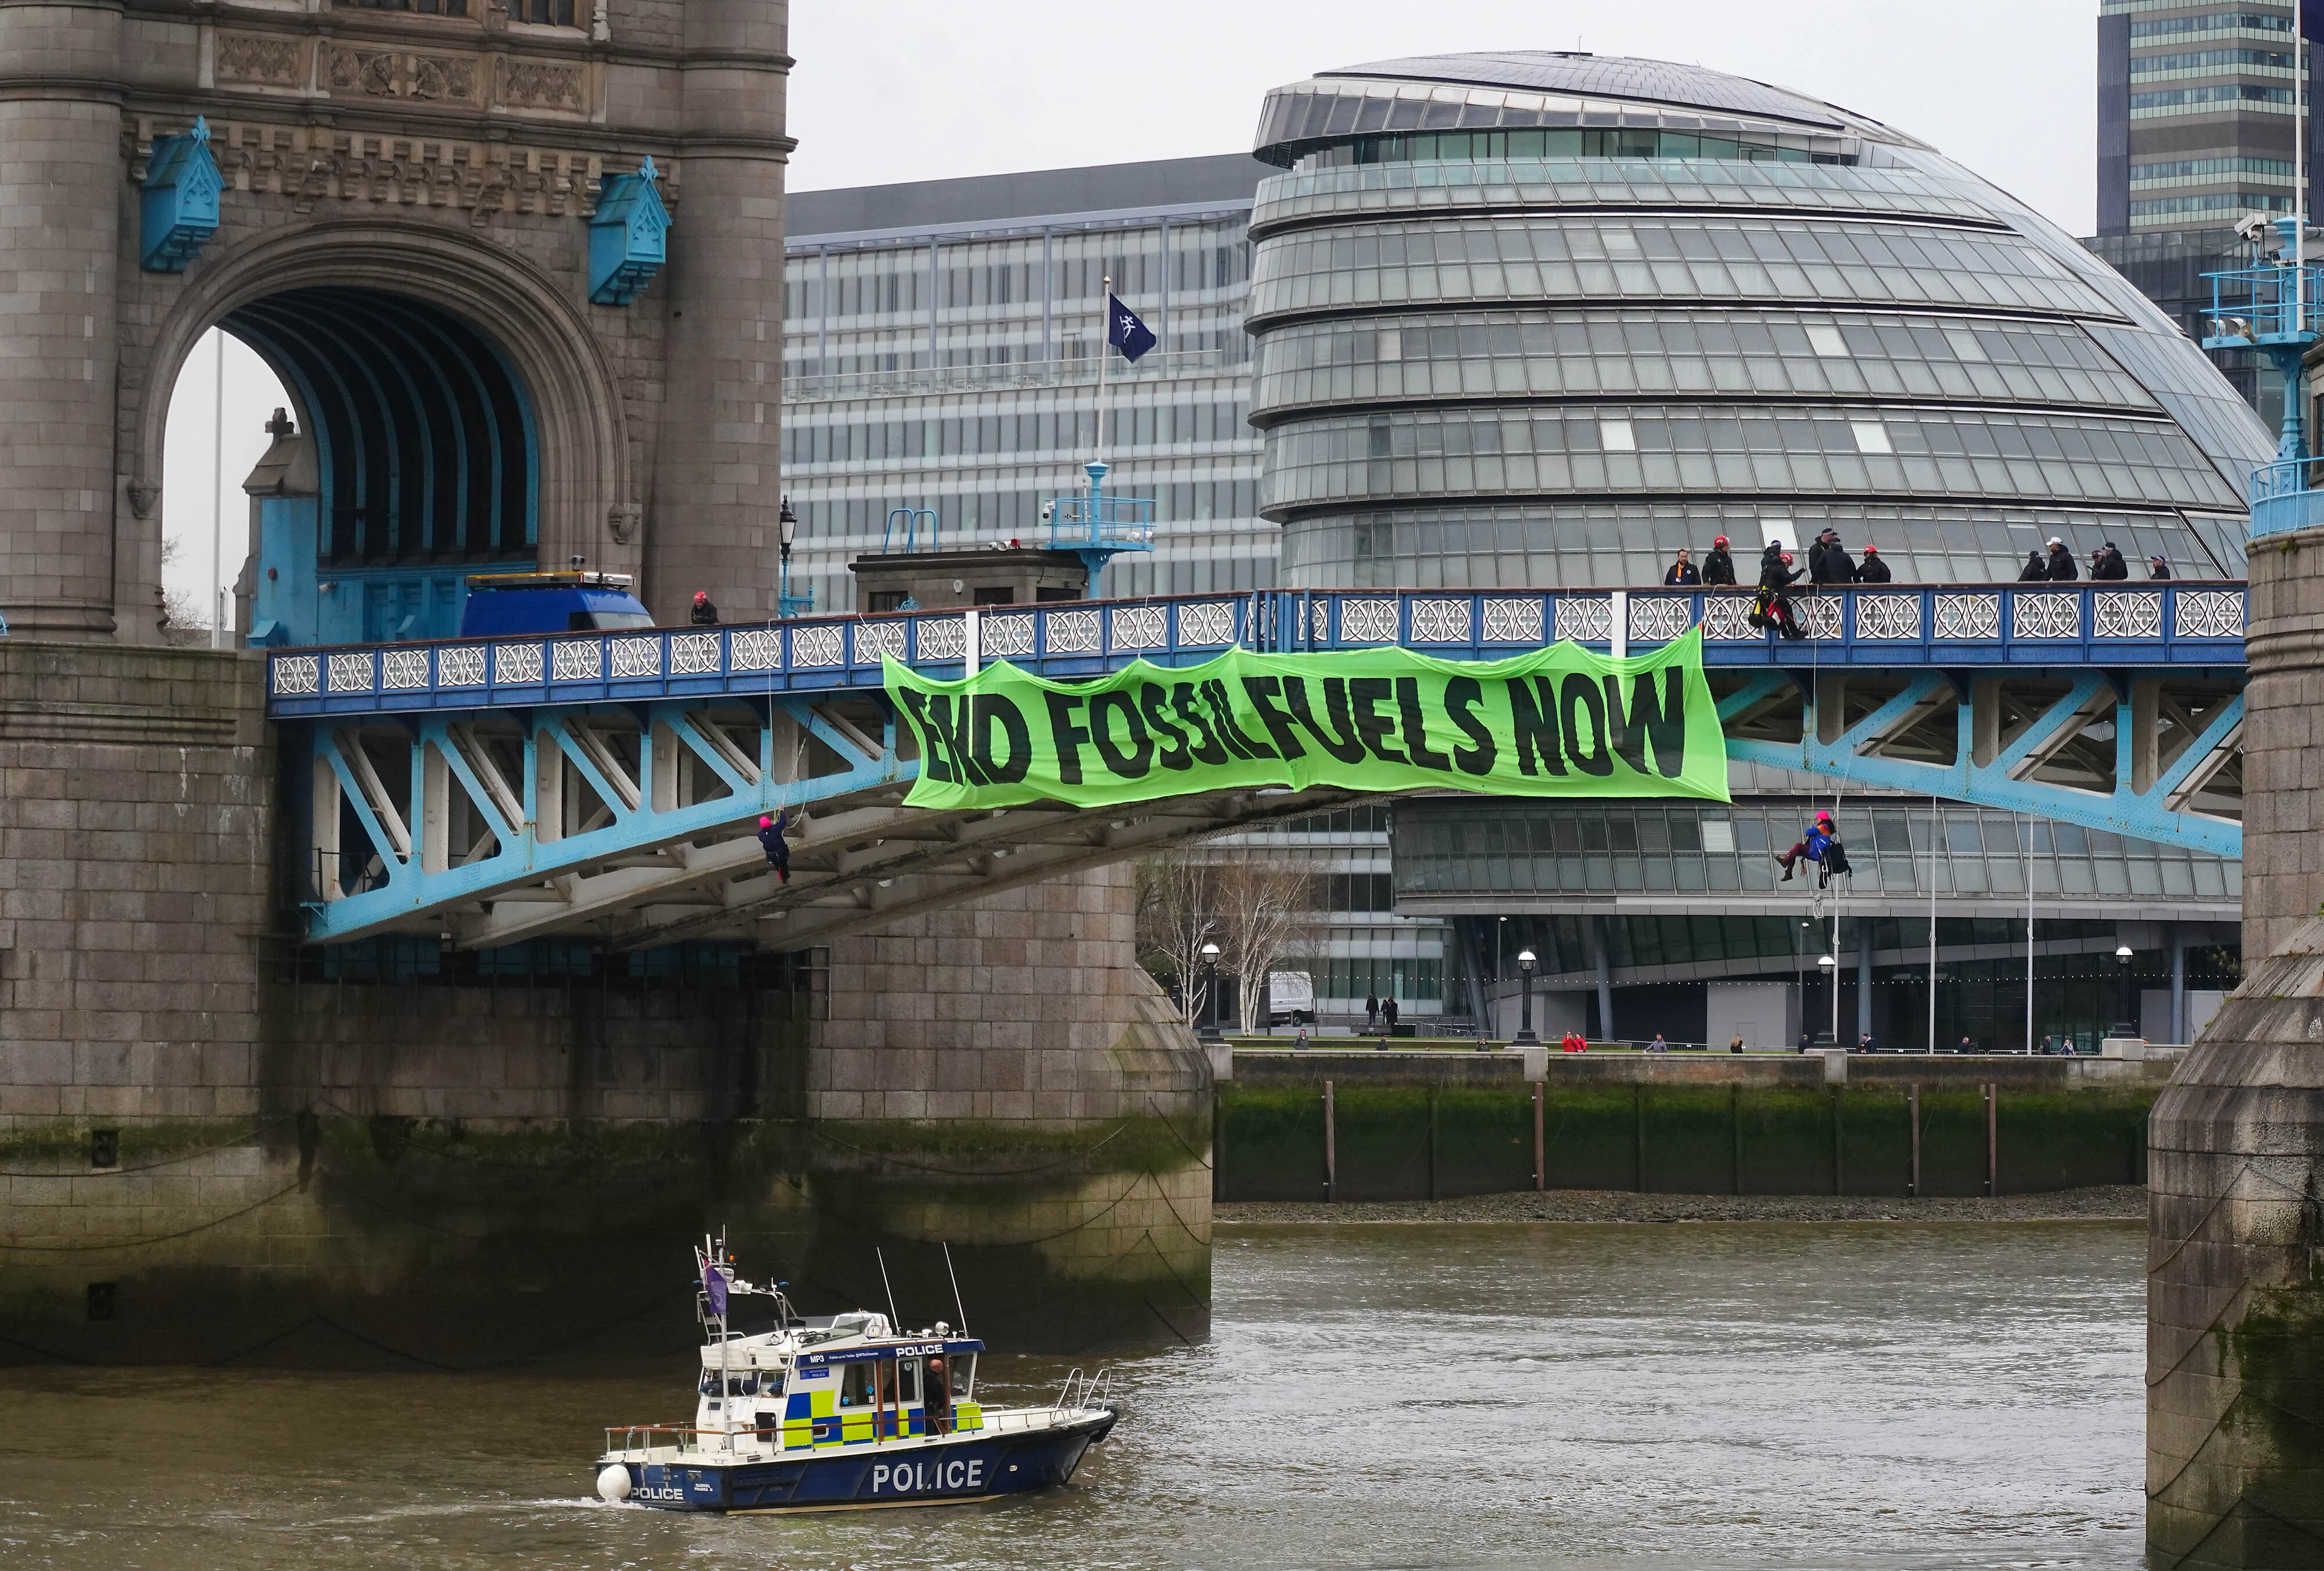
(1913,1112)
(1540,1165)
(1331,1150)
(1993,1139)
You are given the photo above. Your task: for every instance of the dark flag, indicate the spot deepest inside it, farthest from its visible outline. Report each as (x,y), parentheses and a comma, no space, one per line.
(1124,331)
(713,1282)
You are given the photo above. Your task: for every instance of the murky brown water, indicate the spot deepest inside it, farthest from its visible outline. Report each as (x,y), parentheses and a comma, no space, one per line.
(1943,1396)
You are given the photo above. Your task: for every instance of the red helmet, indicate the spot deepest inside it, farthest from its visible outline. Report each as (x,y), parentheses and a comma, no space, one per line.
(1871,550)
(1719,541)
(1787,559)
(701,594)
(765,822)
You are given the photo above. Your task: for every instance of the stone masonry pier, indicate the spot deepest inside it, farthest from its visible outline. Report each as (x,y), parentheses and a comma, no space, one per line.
(219,1145)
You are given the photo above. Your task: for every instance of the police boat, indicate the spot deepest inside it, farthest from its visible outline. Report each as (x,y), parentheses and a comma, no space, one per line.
(842,1412)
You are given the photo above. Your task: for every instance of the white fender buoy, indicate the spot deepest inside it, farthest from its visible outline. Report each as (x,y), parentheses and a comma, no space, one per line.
(614,1482)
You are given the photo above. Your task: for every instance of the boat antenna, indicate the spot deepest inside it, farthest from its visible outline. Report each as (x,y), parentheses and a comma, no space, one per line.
(958,1307)
(895,1321)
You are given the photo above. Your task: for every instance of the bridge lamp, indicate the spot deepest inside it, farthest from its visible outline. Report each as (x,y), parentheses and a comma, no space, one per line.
(1525,1037)
(1210,1027)
(2124,1025)
(1829,965)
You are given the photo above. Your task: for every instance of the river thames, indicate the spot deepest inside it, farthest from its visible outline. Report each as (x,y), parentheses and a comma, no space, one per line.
(1684,1397)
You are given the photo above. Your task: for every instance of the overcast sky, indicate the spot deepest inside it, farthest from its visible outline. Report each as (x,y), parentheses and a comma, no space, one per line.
(927,90)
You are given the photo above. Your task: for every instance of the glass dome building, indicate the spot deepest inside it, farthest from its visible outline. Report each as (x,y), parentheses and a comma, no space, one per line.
(1537,318)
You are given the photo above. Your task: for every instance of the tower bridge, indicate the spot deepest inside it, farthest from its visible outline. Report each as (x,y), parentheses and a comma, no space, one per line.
(609,785)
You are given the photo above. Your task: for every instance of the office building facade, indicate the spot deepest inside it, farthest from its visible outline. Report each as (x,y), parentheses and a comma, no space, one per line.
(941,351)
(2197,103)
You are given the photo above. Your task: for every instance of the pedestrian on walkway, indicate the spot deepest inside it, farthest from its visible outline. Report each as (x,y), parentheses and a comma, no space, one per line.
(1372,1013)
(2062,563)
(1718,567)
(1772,606)
(2107,565)
(1681,571)
(1872,569)
(1658,1045)
(1387,1013)
(2036,569)
(1834,565)
(704,613)
(2157,567)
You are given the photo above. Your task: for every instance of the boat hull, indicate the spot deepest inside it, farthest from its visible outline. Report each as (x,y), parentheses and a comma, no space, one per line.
(953,1470)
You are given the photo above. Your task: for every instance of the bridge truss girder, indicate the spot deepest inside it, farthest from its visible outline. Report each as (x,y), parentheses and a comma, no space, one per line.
(2155,755)
(634,825)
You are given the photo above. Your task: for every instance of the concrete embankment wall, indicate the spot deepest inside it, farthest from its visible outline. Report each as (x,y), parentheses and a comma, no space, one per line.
(214,1147)
(1408,1126)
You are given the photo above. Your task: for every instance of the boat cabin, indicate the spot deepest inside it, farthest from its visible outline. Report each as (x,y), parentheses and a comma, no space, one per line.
(839,1380)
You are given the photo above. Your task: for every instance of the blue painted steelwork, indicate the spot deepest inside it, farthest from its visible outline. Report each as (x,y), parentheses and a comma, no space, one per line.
(2274,310)
(1098,528)
(1997,778)
(911,517)
(628,236)
(426,462)
(2187,625)
(2284,497)
(420,871)
(2029,675)
(178,205)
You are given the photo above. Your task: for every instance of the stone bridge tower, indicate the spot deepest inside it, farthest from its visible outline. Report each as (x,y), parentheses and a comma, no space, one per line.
(392,202)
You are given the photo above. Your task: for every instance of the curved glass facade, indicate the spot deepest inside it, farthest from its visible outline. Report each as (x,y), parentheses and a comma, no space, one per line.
(1614,544)
(1748,451)
(1549,352)
(1534,319)
(1353,266)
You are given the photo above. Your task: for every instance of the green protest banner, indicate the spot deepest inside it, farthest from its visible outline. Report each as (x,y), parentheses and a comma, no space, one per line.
(1561,722)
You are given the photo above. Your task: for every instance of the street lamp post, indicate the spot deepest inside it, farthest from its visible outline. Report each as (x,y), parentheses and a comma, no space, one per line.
(1525,1037)
(2124,1026)
(1209,1031)
(1829,965)
(788,604)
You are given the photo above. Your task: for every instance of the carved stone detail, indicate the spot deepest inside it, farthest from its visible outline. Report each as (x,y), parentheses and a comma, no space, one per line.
(259,59)
(314,165)
(377,73)
(543,85)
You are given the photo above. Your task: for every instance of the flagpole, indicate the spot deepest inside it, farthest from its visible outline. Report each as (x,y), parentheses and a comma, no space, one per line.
(1104,344)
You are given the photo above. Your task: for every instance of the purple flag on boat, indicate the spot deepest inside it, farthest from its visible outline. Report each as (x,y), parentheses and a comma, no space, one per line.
(713,1282)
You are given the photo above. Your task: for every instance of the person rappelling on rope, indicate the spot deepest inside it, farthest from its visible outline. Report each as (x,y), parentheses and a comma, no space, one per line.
(1819,844)
(1772,605)
(778,849)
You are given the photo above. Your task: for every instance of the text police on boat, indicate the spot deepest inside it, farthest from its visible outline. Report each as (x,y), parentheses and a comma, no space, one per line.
(842,1411)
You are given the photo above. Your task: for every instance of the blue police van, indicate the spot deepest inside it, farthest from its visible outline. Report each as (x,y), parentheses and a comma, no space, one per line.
(500,604)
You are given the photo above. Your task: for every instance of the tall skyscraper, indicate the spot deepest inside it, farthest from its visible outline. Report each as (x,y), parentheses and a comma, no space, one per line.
(2197,103)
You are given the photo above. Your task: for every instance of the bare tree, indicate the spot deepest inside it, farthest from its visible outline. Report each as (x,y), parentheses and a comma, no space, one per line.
(1174,921)
(183,620)
(1265,912)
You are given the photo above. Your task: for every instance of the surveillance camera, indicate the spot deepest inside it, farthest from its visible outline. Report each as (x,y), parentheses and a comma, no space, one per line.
(2251,225)
(1049,512)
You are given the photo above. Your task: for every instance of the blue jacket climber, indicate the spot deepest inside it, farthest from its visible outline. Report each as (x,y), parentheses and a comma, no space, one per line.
(1812,845)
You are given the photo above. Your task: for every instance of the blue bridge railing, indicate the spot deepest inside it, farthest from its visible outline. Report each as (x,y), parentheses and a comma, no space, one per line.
(2285,496)
(2184,623)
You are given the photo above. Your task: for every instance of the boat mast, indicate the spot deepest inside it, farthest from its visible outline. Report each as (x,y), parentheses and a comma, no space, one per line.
(725,1386)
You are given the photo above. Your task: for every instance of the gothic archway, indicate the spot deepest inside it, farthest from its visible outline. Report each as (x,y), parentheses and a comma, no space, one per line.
(461,407)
